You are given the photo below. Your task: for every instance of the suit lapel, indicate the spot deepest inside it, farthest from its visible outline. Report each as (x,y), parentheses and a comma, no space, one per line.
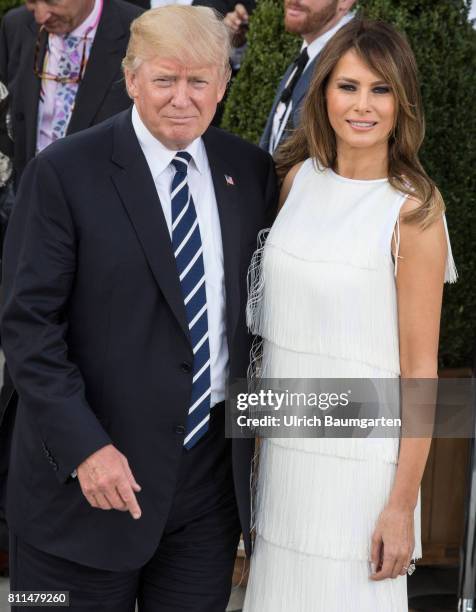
(227,195)
(280,90)
(266,136)
(102,67)
(29,85)
(138,194)
(302,85)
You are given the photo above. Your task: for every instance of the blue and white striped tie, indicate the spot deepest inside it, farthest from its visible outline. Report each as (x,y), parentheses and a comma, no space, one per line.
(187,245)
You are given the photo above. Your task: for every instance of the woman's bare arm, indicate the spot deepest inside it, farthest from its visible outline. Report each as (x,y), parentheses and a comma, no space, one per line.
(420,278)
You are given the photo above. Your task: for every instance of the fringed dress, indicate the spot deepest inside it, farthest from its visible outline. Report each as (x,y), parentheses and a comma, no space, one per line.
(324,303)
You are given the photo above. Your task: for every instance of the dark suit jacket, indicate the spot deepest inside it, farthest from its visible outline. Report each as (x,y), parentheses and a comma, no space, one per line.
(297,98)
(222,6)
(96,338)
(143,3)
(226,6)
(101,93)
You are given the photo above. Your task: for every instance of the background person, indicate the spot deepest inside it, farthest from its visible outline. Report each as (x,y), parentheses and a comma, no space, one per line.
(316,21)
(61,63)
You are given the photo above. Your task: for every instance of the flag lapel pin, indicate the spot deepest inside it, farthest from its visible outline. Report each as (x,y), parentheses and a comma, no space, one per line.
(229,180)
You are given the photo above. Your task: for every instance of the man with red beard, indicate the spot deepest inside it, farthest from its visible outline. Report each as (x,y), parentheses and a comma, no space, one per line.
(316,21)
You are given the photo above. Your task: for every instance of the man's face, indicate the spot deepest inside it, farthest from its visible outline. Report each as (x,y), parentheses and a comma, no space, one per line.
(60,16)
(176,101)
(308,17)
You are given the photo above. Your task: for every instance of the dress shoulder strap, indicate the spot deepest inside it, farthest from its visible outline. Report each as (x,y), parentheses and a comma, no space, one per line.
(451,273)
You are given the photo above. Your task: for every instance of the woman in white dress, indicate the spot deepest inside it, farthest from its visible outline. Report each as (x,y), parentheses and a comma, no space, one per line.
(348,285)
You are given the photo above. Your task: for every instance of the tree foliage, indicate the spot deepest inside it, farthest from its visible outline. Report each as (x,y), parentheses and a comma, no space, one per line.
(6,5)
(270,51)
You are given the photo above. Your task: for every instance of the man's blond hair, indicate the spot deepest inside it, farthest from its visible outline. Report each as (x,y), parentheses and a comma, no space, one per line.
(192,35)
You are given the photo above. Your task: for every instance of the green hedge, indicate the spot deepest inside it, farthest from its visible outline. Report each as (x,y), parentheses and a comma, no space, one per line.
(270,51)
(445,46)
(6,5)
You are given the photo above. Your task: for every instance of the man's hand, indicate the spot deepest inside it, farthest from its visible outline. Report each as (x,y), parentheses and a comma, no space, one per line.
(107,481)
(237,22)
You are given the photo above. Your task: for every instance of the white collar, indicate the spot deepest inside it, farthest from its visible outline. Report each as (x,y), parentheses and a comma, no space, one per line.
(91,22)
(157,155)
(319,43)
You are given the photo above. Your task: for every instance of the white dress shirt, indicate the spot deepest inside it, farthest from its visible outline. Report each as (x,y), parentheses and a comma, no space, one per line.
(200,183)
(49,104)
(283,112)
(157,3)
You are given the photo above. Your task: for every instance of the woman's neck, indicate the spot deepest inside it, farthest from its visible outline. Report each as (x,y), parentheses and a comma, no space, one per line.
(362,164)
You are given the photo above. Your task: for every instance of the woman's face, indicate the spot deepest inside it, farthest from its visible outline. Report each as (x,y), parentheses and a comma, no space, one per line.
(360,106)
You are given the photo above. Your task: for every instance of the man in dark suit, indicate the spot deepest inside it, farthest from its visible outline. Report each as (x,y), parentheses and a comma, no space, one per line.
(31,41)
(125,282)
(316,21)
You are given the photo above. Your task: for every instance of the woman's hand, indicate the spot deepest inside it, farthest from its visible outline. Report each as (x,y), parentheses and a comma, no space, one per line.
(393,542)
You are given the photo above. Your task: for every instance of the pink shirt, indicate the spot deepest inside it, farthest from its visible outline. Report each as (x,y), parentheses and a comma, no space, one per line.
(48,103)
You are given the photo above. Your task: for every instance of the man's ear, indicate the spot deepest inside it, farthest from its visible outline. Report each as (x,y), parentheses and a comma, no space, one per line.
(223,84)
(221,91)
(346,5)
(130,83)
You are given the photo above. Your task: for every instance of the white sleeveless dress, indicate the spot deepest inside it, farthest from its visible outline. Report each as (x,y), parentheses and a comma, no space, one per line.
(324,303)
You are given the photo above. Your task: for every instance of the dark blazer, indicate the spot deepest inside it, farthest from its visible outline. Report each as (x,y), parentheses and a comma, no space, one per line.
(297,98)
(101,93)
(143,3)
(95,333)
(222,6)
(226,6)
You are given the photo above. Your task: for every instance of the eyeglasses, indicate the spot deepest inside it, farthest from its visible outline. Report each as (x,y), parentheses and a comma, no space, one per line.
(55,77)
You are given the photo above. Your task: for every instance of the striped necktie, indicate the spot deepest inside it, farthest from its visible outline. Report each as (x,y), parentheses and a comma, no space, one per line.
(188,251)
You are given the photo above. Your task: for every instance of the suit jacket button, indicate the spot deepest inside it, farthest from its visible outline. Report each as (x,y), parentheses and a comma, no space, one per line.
(20,116)
(186,367)
(180,429)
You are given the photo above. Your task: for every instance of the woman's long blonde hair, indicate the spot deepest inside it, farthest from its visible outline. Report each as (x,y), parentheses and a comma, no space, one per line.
(388,54)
